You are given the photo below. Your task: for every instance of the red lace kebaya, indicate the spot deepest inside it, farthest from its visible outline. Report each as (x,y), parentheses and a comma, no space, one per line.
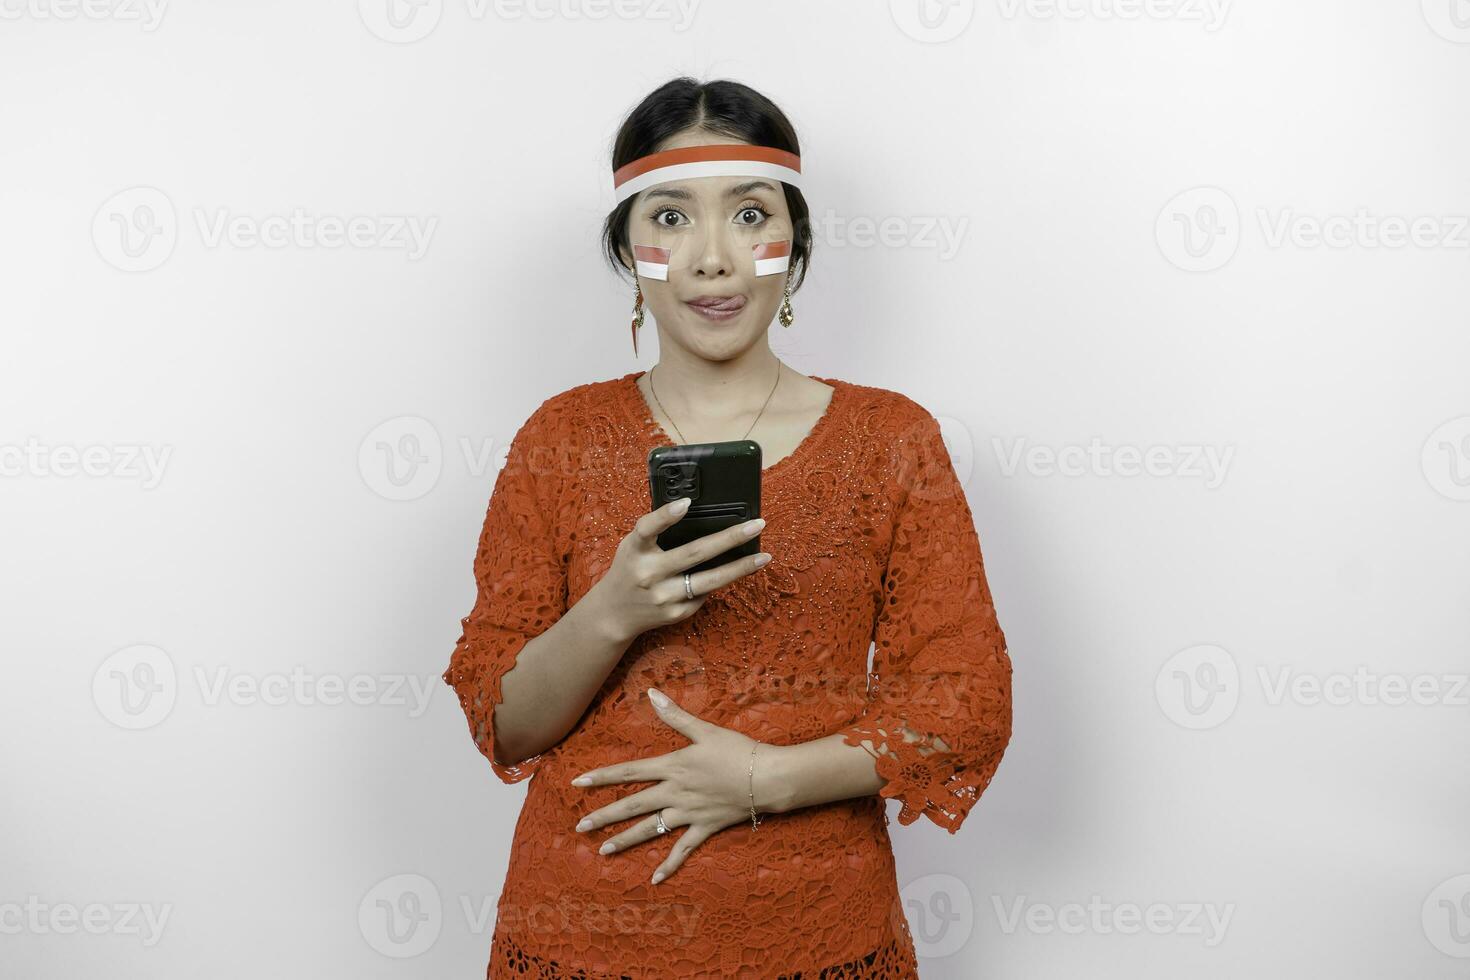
(873,543)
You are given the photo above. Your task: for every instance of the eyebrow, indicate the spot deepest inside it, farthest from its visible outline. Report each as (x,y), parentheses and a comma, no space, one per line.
(739,190)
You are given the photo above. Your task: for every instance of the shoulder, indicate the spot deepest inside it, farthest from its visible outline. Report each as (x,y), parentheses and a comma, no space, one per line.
(548,446)
(564,413)
(888,411)
(906,443)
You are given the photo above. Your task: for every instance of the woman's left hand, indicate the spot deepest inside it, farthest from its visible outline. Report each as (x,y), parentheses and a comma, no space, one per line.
(704,786)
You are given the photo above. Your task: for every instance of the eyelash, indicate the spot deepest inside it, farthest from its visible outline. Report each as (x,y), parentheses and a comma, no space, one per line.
(748,206)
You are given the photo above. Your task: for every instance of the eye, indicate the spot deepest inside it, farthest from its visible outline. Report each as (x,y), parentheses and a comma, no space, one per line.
(751,208)
(658,216)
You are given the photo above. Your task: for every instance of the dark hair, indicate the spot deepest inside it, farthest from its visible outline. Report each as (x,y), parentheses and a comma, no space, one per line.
(721,106)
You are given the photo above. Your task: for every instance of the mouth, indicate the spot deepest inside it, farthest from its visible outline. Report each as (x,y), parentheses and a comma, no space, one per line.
(717,307)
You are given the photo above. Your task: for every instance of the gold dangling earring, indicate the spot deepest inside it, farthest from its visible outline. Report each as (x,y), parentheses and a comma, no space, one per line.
(637,317)
(785,314)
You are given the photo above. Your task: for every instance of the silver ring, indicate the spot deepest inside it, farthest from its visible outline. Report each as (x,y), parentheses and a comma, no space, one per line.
(688,589)
(662,827)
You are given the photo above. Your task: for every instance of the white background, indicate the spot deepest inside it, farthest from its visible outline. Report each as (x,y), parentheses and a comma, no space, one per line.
(1130,194)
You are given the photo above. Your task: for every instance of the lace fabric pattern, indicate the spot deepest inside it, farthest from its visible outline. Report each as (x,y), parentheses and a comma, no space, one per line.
(874,544)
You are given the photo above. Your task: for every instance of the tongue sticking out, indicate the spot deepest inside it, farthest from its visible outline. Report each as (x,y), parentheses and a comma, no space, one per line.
(721,306)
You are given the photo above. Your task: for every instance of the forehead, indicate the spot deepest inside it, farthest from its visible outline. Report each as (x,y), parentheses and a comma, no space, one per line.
(716,189)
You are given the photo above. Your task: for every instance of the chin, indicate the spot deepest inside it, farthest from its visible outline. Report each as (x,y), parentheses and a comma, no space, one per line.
(718,347)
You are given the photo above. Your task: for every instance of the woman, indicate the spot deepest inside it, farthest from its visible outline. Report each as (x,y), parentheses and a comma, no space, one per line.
(711,754)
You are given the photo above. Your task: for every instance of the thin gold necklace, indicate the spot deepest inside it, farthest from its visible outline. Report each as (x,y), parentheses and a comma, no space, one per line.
(758,415)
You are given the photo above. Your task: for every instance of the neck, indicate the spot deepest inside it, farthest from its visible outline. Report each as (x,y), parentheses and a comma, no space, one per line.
(696,388)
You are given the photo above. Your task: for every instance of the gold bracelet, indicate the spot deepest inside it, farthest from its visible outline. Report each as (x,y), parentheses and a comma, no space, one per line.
(755,821)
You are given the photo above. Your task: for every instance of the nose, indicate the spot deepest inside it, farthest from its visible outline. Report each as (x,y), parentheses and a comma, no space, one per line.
(715,256)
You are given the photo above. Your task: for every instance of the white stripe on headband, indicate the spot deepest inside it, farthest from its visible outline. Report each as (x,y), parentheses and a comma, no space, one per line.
(717,160)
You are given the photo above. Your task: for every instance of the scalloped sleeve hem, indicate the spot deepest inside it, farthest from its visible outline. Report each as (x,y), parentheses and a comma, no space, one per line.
(476,679)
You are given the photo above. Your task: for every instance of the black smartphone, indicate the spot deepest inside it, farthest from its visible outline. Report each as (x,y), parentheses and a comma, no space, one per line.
(723,482)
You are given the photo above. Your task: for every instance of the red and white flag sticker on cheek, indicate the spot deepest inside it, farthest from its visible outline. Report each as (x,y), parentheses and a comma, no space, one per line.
(652,261)
(771,257)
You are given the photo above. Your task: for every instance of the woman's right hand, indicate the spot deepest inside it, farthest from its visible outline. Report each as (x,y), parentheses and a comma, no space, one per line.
(644,587)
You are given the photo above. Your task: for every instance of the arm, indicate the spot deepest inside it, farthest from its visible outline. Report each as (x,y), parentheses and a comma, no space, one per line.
(938,716)
(526,667)
(554,679)
(788,777)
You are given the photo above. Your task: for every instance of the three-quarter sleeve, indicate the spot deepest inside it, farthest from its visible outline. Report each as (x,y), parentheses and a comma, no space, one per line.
(940,666)
(521,577)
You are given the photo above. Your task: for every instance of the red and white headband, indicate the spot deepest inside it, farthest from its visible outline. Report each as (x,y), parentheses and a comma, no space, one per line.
(712,160)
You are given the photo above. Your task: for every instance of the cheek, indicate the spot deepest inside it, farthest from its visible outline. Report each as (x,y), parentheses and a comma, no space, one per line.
(766,291)
(660,295)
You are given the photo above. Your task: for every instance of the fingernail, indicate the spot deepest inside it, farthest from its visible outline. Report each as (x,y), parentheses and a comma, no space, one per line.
(681,505)
(582,781)
(585,825)
(754,526)
(605,848)
(658,697)
(761,559)
(658,876)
